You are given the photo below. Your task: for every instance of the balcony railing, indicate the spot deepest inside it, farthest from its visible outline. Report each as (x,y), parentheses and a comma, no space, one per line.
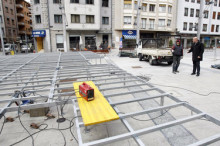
(21,23)
(20,15)
(19,6)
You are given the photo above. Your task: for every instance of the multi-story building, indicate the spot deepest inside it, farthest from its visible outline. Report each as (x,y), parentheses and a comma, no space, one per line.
(24,20)
(90,22)
(187,21)
(10,21)
(156,17)
(41,19)
(87,22)
(2,20)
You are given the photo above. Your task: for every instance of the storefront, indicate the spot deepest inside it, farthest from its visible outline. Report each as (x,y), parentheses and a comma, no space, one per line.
(39,36)
(129,39)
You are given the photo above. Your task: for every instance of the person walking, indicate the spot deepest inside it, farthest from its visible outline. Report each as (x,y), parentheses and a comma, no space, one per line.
(177,53)
(197,50)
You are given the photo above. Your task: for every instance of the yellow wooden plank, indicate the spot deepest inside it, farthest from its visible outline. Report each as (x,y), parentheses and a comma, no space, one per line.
(95,111)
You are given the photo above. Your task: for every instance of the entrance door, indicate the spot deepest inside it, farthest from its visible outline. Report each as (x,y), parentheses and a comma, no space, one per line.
(39,44)
(74,43)
(90,42)
(105,41)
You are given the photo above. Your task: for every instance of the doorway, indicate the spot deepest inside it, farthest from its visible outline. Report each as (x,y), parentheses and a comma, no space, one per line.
(74,43)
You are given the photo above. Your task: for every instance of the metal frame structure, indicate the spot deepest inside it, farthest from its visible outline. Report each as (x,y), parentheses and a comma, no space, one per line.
(50,76)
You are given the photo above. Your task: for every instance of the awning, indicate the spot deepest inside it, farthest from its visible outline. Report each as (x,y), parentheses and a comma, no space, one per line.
(127,1)
(129,34)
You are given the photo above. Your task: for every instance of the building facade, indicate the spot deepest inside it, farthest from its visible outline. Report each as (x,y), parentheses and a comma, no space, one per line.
(87,24)
(24,20)
(156,17)
(10,21)
(187,21)
(2,20)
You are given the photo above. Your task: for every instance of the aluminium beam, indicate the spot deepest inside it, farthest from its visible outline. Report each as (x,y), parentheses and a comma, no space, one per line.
(207,141)
(143,131)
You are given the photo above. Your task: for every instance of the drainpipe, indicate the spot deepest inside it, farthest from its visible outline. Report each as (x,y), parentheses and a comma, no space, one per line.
(48,11)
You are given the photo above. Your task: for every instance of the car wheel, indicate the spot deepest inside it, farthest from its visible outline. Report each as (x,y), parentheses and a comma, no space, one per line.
(140,57)
(170,62)
(152,61)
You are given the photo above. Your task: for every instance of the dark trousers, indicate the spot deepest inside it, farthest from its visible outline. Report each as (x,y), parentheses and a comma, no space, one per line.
(196,67)
(176,62)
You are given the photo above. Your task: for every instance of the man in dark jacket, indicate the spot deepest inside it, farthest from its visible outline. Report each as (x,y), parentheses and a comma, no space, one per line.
(177,53)
(197,50)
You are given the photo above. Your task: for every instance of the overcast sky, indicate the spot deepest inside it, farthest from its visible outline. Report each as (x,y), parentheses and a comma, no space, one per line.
(28,1)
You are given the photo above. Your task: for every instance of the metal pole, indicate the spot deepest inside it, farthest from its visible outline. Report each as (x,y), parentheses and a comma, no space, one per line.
(200,19)
(26,51)
(64,27)
(215,51)
(138,24)
(2,38)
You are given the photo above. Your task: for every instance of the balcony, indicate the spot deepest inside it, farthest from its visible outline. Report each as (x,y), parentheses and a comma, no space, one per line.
(21,23)
(21,32)
(20,15)
(19,6)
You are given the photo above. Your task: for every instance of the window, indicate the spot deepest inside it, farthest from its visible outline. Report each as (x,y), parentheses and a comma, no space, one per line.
(186,12)
(212,28)
(90,2)
(104,3)
(191,12)
(9,32)
(197,12)
(190,26)
(152,8)
(144,7)
(13,22)
(14,32)
(207,2)
(170,9)
(127,19)
(161,22)
(105,20)
(152,22)
(75,18)
(213,15)
(58,19)
(206,14)
(168,22)
(187,0)
(217,28)
(196,26)
(218,17)
(204,27)
(90,19)
(127,4)
(6,9)
(12,12)
(135,5)
(193,1)
(1,19)
(56,1)
(185,26)
(215,2)
(10,1)
(143,23)
(59,41)
(74,1)
(8,21)
(198,1)
(38,18)
(162,8)
(36,1)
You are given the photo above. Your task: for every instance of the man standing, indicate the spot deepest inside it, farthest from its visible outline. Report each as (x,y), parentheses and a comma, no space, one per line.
(177,53)
(197,50)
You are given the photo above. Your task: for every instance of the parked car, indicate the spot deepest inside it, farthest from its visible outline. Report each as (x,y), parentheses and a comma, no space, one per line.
(10,47)
(25,48)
